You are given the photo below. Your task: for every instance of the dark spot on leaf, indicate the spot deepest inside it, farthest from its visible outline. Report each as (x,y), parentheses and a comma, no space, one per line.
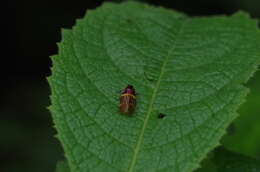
(129,21)
(161,115)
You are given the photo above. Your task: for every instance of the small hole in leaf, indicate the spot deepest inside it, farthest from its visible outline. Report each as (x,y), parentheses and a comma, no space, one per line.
(161,115)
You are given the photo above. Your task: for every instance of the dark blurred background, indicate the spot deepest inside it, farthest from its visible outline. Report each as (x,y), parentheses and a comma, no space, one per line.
(32,28)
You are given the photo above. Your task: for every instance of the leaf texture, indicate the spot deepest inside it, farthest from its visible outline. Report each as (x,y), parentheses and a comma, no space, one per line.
(191,69)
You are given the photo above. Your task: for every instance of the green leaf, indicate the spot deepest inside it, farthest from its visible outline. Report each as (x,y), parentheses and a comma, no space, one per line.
(190,69)
(62,166)
(227,161)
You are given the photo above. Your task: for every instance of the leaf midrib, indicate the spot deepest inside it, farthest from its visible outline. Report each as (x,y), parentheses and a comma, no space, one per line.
(150,107)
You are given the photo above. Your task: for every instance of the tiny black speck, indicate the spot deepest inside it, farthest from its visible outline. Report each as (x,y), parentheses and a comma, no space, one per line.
(161,115)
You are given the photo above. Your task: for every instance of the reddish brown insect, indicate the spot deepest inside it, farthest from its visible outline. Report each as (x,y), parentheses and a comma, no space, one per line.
(128,100)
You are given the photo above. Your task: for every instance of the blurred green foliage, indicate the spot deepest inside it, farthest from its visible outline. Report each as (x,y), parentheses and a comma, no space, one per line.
(27,136)
(245,137)
(62,166)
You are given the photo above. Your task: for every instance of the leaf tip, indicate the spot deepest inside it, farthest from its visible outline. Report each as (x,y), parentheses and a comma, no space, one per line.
(241,13)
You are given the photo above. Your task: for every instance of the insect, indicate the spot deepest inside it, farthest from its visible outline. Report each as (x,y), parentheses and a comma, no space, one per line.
(128,100)
(161,115)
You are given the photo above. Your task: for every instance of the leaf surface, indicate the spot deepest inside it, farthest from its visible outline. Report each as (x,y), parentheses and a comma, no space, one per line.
(190,69)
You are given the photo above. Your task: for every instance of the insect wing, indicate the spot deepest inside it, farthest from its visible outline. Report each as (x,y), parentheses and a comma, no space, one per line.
(127,104)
